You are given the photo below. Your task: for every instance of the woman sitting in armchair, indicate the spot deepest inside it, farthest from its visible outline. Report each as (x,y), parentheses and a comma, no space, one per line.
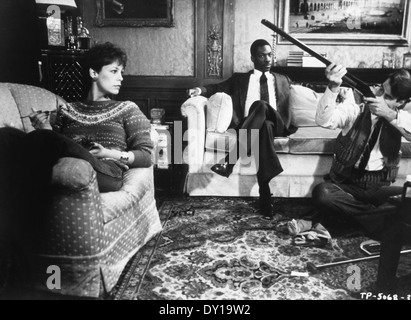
(111,135)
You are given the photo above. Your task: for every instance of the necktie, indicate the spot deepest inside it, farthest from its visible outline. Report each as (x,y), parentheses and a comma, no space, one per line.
(264,88)
(370,145)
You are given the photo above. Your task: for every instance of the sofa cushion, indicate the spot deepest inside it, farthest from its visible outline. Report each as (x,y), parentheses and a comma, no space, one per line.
(9,112)
(303,105)
(406,145)
(313,140)
(307,140)
(224,142)
(405,148)
(219,112)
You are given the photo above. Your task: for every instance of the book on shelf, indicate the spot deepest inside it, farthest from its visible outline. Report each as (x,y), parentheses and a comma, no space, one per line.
(295,59)
(310,61)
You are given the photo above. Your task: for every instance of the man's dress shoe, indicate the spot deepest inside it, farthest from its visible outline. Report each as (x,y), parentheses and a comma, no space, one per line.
(266,207)
(223,169)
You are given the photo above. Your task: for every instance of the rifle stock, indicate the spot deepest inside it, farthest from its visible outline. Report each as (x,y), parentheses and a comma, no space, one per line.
(348,78)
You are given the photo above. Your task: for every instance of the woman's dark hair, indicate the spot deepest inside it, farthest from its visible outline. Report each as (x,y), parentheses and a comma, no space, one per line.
(257,44)
(400,82)
(103,54)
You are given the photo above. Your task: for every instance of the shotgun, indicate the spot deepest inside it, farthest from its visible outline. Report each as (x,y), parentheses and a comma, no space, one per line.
(348,78)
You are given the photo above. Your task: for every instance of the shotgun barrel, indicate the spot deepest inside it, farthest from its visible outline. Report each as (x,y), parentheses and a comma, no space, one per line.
(350,79)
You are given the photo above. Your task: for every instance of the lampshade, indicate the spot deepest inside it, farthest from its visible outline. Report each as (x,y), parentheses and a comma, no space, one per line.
(63,4)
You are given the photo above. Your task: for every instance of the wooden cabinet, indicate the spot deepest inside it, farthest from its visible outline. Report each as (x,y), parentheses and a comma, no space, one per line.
(62,72)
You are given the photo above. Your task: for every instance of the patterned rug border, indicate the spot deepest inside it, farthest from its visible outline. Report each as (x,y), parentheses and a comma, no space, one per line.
(143,253)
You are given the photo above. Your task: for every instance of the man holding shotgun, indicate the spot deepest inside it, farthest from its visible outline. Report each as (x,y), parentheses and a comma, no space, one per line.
(367,151)
(366,158)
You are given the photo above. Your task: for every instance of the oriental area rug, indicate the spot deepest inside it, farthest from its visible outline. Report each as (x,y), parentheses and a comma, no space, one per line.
(222,249)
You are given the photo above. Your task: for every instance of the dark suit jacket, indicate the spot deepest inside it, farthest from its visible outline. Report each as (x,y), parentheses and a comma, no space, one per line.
(237,87)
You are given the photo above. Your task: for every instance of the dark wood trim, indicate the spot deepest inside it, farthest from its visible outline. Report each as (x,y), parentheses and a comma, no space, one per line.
(229,21)
(299,74)
(149,82)
(316,75)
(200,36)
(219,13)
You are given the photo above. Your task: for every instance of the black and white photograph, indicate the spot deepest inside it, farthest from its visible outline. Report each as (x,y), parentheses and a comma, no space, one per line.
(205,158)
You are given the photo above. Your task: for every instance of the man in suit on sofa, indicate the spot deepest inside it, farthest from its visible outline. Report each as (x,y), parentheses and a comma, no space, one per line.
(260,101)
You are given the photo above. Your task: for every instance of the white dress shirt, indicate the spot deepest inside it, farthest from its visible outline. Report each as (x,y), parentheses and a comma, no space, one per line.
(343,115)
(253,93)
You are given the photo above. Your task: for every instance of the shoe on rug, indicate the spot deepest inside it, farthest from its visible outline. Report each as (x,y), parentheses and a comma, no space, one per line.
(295,227)
(309,240)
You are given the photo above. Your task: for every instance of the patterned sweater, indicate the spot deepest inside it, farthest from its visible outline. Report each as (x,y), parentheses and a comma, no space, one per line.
(113,124)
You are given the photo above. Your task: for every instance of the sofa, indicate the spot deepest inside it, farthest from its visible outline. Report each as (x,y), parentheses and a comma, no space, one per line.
(306,155)
(90,236)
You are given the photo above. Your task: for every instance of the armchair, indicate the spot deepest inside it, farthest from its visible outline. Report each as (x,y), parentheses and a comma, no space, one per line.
(89,235)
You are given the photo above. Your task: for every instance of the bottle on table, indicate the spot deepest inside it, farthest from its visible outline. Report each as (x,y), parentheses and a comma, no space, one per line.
(71,38)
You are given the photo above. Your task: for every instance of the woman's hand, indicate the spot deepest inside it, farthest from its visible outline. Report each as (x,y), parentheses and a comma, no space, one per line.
(194,92)
(99,151)
(334,74)
(40,119)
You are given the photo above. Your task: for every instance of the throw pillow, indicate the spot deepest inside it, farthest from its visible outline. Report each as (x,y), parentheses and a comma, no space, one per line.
(303,105)
(219,112)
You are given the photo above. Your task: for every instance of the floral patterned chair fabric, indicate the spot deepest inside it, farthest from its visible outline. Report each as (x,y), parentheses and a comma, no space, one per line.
(89,235)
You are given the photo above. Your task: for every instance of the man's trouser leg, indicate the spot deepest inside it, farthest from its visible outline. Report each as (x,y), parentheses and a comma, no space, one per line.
(269,124)
(343,204)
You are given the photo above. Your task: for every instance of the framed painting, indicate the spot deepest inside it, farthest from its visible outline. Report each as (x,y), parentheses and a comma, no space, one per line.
(134,13)
(369,22)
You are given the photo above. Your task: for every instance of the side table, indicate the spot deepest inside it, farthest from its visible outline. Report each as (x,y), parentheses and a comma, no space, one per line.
(168,176)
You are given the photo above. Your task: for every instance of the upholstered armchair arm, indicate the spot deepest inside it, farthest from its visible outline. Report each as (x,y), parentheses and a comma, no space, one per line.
(132,181)
(74,226)
(194,109)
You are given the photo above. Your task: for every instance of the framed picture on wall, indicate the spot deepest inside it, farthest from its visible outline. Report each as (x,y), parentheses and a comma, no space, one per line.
(346,22)
(134,13)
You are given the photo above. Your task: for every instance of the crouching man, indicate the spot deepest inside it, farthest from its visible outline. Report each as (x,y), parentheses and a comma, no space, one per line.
(367,151)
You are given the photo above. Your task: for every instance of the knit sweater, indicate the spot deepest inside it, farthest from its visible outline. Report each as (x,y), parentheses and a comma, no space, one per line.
(113,124)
